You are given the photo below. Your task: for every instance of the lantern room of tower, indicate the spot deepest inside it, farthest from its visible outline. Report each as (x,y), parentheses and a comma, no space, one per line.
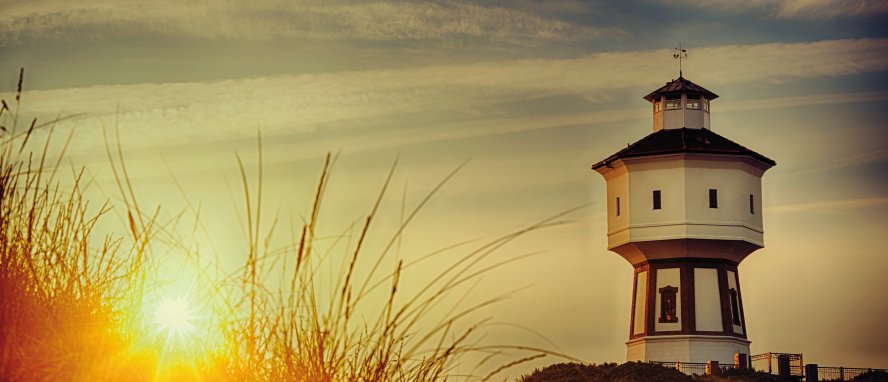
(680,104)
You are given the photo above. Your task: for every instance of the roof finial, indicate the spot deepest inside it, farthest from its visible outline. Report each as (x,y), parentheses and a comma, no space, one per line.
(680,54)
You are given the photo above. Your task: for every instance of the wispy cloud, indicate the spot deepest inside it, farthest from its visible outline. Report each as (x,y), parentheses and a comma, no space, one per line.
(831,205)
(402,106)
(447,22)
(797,9)
(807,100)
(831,8)
(862,159)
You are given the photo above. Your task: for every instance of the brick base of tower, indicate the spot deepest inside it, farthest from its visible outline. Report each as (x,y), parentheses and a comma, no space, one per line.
(686,348)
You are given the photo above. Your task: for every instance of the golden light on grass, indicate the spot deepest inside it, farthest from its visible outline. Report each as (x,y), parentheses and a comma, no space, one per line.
(174,316)
(80,307)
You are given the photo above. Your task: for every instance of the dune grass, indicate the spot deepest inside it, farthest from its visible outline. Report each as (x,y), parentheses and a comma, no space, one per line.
(70,295)
(61,294)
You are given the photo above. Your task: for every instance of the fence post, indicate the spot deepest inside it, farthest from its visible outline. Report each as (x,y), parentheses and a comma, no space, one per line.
(841,373)
(712,368)
(811,373)
(783,365)
(740,360)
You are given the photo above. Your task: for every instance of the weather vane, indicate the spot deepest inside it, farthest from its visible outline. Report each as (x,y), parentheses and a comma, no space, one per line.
(680,54)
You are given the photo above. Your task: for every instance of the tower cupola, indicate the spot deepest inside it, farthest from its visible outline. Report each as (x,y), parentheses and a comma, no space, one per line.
(679,104)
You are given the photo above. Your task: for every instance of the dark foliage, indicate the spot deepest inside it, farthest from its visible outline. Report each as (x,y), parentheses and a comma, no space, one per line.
(644,372)
(743,375)
(569,372)
(608,372)
(872,376)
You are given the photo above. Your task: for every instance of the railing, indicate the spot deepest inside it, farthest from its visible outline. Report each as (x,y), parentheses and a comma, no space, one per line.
(828,373)
(690,368)
(770,362)
(791,363)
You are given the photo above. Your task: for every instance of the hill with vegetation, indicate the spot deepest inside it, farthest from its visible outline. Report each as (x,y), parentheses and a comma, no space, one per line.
(646,372)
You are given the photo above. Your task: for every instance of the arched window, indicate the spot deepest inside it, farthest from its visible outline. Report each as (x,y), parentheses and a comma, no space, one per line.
(667,304)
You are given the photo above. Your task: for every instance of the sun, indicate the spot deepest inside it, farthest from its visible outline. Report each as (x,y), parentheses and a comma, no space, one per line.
(174,315)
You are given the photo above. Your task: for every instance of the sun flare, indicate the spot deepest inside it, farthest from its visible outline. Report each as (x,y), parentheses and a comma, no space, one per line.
(174,315)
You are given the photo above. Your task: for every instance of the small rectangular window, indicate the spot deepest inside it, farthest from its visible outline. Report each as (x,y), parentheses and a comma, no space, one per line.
(751,204)
(656,199)
(693,104)
(713,198)
(706,104)
(673,104)
(618,206)
(658,106)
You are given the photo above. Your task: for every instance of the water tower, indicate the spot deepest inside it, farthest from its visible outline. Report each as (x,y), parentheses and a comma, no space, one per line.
(684,208)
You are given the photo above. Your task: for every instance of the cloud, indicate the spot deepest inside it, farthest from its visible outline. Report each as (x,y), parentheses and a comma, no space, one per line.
(819,9)
(450,21)
(807,100)
(877,156)
(796,9)
(377,108)
(831,205)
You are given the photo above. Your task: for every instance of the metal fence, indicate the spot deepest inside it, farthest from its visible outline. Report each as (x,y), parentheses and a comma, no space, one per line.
(774,363)
(690,368)
(828,373)
(770,362)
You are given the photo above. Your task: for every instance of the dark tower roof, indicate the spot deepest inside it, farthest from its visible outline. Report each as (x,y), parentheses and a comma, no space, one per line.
(680,86)
(684,140)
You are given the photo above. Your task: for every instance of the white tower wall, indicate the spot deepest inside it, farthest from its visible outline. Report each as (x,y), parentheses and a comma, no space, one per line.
(707,300)
(686,348)
(684,181)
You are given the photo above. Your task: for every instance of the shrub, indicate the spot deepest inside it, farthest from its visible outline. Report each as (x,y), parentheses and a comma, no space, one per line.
(744,375)
(569,372)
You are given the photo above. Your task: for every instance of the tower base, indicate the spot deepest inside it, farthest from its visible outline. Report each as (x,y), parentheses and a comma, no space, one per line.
(686,348)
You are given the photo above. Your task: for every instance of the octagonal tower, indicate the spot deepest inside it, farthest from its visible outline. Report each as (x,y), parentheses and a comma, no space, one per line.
(684,208)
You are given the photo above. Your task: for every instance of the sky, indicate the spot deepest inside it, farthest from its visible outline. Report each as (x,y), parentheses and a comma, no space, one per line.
(528,95)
